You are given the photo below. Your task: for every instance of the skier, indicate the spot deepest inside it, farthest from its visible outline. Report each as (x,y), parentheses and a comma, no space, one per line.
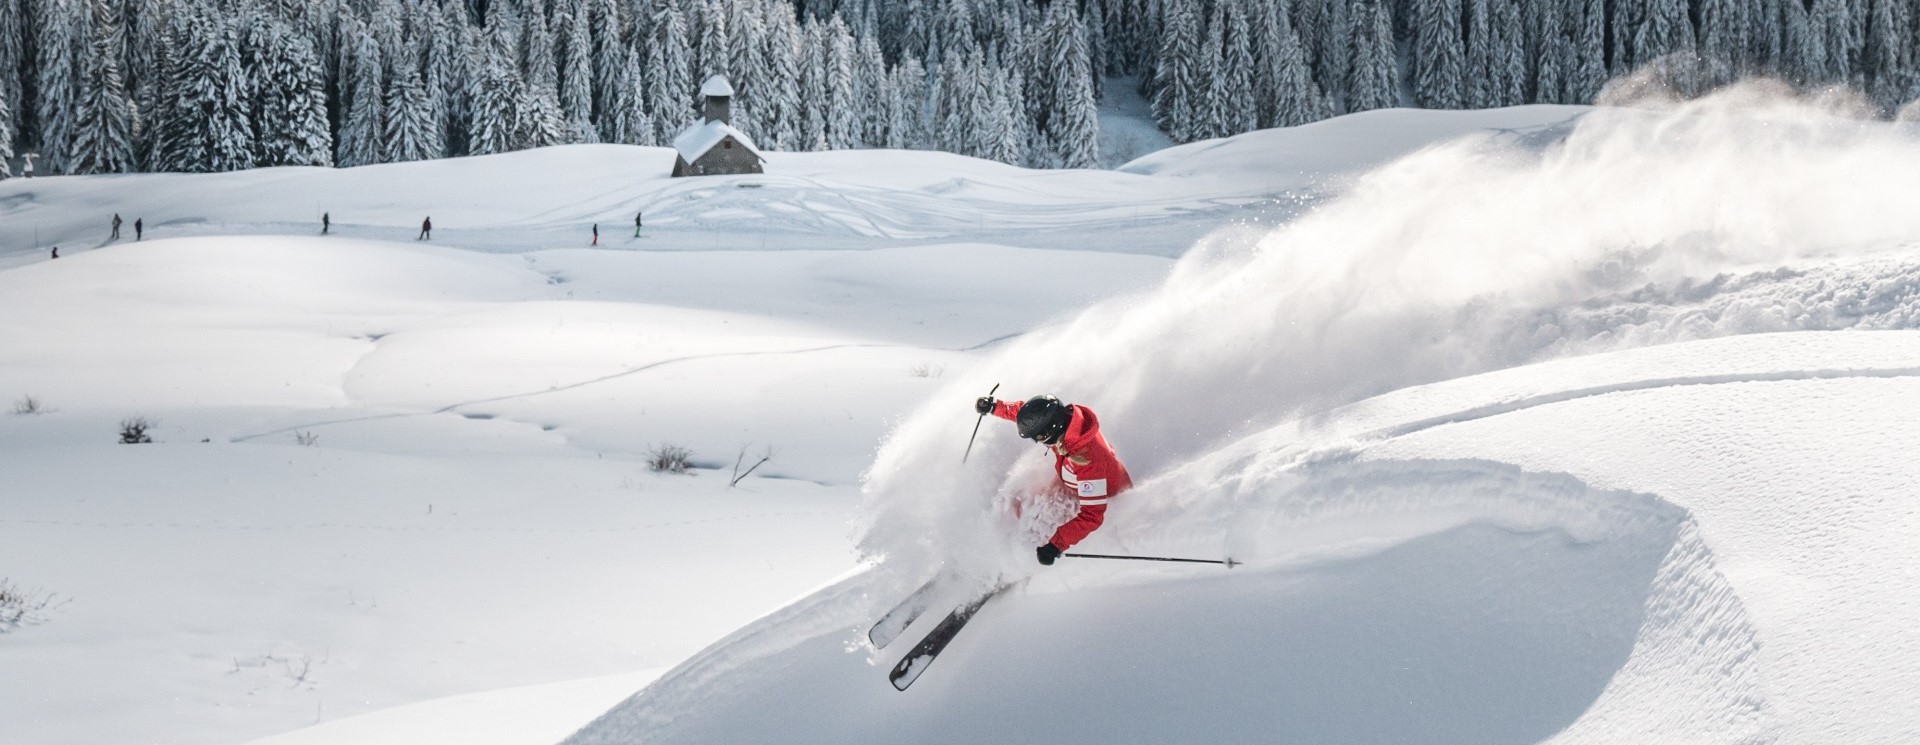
(56,252)
(426,229)
(1087,468)
(326,222)
(116,228)
(138,229)
(636,224)
(596,234)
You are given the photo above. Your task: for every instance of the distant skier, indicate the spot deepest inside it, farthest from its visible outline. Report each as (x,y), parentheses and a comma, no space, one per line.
(56,252)
(116,228)
(426,229)
(1086,466)
(596,234)
(636,224)
(326,222)
(138,229)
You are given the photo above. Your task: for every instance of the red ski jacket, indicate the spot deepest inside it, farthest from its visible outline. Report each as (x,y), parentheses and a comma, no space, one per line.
(1088,470)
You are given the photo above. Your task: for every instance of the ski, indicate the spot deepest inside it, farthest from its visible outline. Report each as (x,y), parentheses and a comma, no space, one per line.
(895,621)
(916,662)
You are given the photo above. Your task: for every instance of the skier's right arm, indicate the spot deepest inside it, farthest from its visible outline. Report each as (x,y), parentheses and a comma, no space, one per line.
(1007,409)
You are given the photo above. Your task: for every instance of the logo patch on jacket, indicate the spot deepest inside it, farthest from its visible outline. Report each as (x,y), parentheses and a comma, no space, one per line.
(1093,488)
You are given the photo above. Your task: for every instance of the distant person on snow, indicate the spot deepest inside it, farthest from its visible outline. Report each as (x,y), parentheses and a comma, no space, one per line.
(1086,466)
(56,252)
(137,229)
(636,224)
(326,222)
(596,234)
(116,228)
(426,229)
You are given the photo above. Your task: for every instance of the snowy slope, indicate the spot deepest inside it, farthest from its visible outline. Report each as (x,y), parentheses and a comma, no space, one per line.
(1383,405)
(1635,320)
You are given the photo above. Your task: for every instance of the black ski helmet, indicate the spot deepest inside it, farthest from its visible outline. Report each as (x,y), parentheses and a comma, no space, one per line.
(1043,419)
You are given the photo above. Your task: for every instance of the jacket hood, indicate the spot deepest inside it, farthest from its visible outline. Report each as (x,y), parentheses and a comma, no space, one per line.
(1081,429)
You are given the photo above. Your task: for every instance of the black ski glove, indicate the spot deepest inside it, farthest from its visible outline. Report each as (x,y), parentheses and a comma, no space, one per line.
(983,406)
(1047,554)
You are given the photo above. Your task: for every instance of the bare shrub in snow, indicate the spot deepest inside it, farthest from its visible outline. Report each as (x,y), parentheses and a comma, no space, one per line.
(765,455)
(24,607)
(29,405)
(669,459)
(927,370)
(133,430)
(306,438)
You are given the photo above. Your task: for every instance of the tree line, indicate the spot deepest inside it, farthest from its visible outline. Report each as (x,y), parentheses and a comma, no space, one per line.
(108,86)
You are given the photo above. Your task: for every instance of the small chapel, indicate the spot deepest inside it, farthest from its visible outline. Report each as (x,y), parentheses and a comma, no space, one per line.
(713,146)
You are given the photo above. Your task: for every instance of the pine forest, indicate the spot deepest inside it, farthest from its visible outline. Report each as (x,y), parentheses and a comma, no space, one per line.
(106,86)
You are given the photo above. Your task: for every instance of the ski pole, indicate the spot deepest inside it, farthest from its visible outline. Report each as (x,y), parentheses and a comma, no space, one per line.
(1229,563)
(976,426)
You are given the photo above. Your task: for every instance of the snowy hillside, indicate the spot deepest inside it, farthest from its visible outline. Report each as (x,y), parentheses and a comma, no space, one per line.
(1458,528)
(1543,424)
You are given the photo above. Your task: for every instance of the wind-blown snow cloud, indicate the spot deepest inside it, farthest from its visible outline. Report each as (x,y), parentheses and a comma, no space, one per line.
(1647,223)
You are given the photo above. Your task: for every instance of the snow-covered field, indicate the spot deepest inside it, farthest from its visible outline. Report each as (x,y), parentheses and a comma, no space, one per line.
(1539,424)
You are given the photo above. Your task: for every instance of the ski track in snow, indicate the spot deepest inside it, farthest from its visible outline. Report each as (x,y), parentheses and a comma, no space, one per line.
(449,408)
(414,528)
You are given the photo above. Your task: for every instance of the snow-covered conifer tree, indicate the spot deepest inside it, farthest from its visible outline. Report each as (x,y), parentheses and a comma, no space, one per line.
(58,89)
(6,138)
(1887,54)
(206,124)
(1667,30)
(1177,75)
(746,55)
(412,132)
(541,122)
(1237,109)
(1589,66)
(1510,54)
(1004,135)
(708,32)
(1296,98)
(780,85)
(843,116)
(1479,76)
(290,116)
(1372,78)
(1550,66)
(363,116)
(539,66)
(1723,31)
(670,85)
(104,117)
(1799,57)
(1830,26)
(909,129)
(492,114)
(608,26)
(621,109)
(574,53)
(1438,54)
(870,86)
(1073,126)
(13,60)
(812,129)
(1210,110)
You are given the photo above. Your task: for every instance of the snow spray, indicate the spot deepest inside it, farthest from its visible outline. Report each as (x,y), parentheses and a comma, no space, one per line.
(1465,257)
